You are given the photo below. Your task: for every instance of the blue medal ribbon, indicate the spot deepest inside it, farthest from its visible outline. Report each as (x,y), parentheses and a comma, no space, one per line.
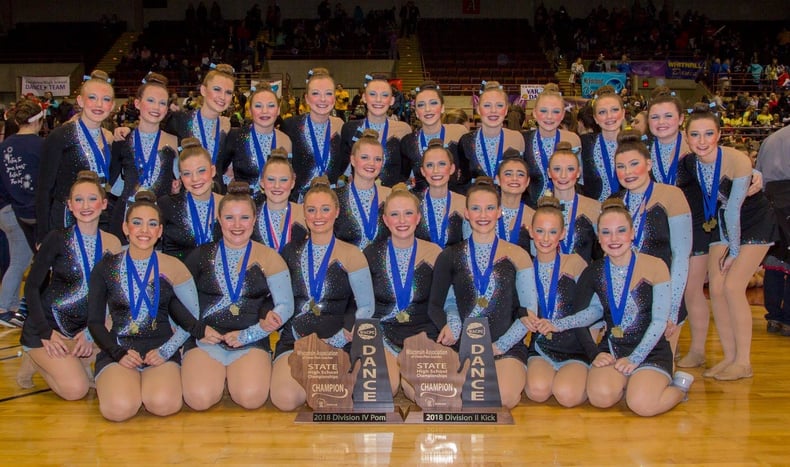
(438,237)
(316,279)
(710,198)
(491,171)
(101,156)
(611,175)
(482,278)
(285,235)
(204,140)
(321,157)
(512,234)
(234,292)
(544,158)
(618,309)
(668,177)
(259,157)
(87,267)
(566,244)
(547,306)
(402,289)
(424,144)
(202,231)
(369,220)
(384,131)
(134,282)
(145,168)
(641,211)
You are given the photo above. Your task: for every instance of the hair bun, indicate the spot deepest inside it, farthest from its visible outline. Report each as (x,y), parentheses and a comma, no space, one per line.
(549,201)
(563,146)
(399,187)
(484,181)
(225,68)
(370,133)
(279,153)
(238,187)
(660,91)
(435,143)
(187,143)
(323,180)
(612,203)
(605,91)
(100,75)
(629,136)
(551,87)
(145,196)
(155,78)
(87,176)
(700,107)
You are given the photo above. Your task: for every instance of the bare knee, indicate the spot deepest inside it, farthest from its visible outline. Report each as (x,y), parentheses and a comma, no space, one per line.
(119,409)
(604,395)
(641,405)
(510,397)
(72,390)
(285,400)
(201,398)
(538,390)
(568,396)
(163,404)
(250,397)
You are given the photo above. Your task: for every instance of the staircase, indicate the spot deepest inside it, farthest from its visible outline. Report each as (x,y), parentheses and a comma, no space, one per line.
(113,56)
(409,66)
(562,76)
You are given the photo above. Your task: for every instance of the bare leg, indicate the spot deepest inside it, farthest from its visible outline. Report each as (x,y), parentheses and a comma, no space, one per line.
(65,375)
(161,389)
(721,313)
(649,393)
(118,389)
(287,393)
(605,386)
(570,385)
(249,378)
(203,379)
(698,312)
(512,377)
(540,379)
(393,370)
(740,312)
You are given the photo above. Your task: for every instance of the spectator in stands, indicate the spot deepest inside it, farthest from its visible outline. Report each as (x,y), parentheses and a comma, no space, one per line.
(342,100)
(599,65)
(577,70)
(624,66)
(756,70)
(772,73)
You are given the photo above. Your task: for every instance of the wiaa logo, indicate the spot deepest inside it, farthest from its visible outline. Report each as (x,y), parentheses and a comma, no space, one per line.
(476,330)
(366,331)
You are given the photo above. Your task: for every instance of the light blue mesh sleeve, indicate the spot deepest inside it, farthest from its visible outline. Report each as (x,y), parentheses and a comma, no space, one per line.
(453,317)
(338,340)
(515,333)
(680,244)
(527,290)
(283,298)
(732,213)
(186,292)
(662,297)
(466,229)
(362,286)
(584,318)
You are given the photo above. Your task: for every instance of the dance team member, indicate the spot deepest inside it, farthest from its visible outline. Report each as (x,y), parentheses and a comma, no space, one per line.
(557,362)
(279,221)
(736,233)
(598,174)
(378,99)
(331,288)
(361,200)
(667,146)
(486,277)
(249,148)
(442,210)
(80,144)
(141,290)
(402,270)
(661,218)
(429,107)
(189,217)
(513,179)
(245,293)
(541,143)
(55,335)
(316,135)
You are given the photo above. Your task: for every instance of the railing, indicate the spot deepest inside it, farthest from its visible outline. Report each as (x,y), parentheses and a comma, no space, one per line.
(739,82)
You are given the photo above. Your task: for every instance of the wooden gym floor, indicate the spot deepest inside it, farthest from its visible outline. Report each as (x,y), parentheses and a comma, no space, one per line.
(735,423)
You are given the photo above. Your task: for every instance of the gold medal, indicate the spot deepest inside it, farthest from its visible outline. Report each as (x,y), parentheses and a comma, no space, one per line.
(482,302)
(315,308)
(134,328)
(548,335)
(107,187)
(153,324)
(234,309)
(403,317)
(617,332)
(709,225)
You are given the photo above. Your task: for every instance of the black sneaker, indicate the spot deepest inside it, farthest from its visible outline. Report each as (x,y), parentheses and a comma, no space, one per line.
(773,327)
(7,319)
(18,319)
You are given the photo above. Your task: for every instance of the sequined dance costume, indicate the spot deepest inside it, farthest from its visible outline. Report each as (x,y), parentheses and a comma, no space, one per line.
(308,159)
(391,171)
(179,237)
(350,225)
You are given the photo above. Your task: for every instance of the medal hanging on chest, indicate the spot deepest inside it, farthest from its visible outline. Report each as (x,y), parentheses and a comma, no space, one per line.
(260,158)
(101,156)
(639,218)
(87,266)
(321,156)
(611,175)
(234,292)
(710,197)
(667,176)
(489,168)
(511,234)
(204,139)
(548,303)
(145,167)
(274,241)
(369,219)
(438,231)
(617,308)
(202,231)
(316,279)
(137,290)
(403,288)
(544,157)
(482,278)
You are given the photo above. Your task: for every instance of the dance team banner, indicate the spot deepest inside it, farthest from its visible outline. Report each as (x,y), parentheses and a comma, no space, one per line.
(38,85)
(684,70)
(649,68)
(529,92)
(592,81)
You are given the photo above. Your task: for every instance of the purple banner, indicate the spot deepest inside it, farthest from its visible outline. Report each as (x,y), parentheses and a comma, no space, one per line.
(649,68)
(683,69)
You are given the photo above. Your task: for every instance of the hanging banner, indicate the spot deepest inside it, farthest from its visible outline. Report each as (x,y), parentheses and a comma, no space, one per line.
(529,92)
(592,81)
(683,70)
(38,85)
(649,68)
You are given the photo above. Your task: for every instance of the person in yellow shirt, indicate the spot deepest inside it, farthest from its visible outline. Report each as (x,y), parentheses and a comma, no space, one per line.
(342,99)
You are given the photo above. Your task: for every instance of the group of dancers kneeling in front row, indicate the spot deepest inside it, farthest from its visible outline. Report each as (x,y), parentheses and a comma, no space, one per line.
(599,283)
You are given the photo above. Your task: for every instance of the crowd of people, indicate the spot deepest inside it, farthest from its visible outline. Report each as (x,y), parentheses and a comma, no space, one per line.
(166,253)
